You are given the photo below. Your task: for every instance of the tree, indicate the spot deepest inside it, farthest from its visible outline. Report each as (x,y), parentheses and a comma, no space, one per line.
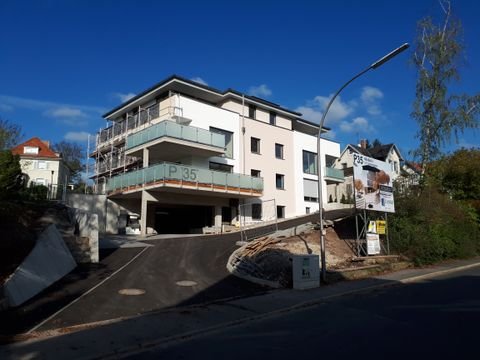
(459,174)
(438,51)
(374,143)
(10,134)
(11,180)
(72,154)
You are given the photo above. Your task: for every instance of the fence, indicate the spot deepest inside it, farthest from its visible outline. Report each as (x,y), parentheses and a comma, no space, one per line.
(258,219)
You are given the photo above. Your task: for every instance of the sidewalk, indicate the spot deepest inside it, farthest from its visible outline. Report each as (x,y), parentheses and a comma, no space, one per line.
(121,337)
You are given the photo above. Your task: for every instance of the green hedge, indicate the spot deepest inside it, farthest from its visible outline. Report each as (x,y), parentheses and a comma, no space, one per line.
(430,227)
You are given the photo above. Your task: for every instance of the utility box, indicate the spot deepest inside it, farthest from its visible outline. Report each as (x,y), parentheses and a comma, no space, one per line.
(306,271)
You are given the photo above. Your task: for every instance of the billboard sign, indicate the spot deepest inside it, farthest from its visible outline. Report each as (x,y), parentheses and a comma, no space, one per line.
(373,184)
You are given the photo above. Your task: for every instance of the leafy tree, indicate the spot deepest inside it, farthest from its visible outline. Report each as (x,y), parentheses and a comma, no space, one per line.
(72,154)
(10,134)
(11,180)
(459,174)
(438,51)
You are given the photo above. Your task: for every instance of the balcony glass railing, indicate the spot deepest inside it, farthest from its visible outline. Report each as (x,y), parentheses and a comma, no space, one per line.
(174,130)
(334,173)
(182,175)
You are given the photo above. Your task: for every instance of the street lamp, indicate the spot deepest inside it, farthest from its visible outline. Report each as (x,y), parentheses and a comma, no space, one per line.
(375,65)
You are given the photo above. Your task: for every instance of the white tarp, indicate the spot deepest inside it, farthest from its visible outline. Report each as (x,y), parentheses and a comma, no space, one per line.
(373,184)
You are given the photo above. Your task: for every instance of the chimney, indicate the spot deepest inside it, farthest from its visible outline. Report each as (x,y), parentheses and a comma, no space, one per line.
(46,142)
(363,143)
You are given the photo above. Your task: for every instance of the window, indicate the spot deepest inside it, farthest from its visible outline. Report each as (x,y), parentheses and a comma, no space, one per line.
(395,166)
(252,111)
(255,173)
(273,118)
(329,160)
(255,145)
(280,181)
(309,162)
(310,190)
(40,181)
(280,212)
(228,141)
(30,150)
(307,210)
(279,151)
(42,165)
(220,167)
(257,211)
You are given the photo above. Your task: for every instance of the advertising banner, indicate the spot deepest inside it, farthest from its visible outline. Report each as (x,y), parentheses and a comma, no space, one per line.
(373,184)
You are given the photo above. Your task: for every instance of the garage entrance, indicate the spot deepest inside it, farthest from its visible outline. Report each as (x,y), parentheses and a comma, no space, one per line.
(181,219)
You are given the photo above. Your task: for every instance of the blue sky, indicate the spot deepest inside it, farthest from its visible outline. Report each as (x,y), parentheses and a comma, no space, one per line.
(64,63)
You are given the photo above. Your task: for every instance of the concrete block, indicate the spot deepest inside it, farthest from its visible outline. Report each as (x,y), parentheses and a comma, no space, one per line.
(48,262)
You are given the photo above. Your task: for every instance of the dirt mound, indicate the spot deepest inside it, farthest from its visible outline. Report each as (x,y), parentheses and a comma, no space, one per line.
(269,258)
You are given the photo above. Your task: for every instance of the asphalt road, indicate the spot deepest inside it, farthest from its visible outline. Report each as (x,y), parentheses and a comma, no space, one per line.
(161,273)
(437,318)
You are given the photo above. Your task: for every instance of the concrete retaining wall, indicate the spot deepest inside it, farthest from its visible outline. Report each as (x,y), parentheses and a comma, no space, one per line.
(83,243)
(106,210)
(48,262)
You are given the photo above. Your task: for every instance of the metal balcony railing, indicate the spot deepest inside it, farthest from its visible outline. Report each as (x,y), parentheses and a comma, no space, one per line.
(174,130)
(136,120)
(175,175)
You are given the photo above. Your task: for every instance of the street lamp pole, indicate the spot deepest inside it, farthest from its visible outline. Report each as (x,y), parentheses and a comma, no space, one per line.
(375,65)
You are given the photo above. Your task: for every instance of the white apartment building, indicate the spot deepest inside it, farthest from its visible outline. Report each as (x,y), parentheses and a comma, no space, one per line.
(185,156)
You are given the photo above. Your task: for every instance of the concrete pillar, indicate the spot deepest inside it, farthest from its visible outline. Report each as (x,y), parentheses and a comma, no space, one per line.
(146,157)
(218,216)
(143,213)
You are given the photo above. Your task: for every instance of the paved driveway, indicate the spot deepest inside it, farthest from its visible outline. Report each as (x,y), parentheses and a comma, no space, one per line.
(168,271)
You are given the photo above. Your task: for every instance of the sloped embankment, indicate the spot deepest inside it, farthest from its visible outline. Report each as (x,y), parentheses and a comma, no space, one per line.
(267,260)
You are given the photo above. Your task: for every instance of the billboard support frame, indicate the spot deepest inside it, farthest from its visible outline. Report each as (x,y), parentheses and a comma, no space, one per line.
(361,238)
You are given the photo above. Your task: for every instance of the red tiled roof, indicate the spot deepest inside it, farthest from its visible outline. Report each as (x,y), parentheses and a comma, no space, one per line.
(44,150)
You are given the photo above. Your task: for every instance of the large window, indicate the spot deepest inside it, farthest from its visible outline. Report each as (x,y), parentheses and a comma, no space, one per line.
(273,118)
(228,141)
(279,151)
(252,110)
(220,167)
(257,211)
(255,145)
(309,162)
(42,165)
(280,181)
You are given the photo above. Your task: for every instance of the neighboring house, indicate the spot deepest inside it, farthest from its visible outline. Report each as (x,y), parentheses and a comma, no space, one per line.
(184,156)
(388,153)
(410,175)
(41,164)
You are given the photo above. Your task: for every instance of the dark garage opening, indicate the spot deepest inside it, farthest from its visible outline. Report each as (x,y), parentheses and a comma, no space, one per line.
(182,219)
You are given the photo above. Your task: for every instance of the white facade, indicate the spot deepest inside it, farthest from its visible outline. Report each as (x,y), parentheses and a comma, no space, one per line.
(43,171)
(165,172)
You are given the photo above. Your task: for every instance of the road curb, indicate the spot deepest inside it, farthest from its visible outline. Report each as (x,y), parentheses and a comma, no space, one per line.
(438,273)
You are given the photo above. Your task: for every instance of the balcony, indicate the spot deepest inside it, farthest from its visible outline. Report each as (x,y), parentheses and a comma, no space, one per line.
(170,141)
(333,175)
(174,176)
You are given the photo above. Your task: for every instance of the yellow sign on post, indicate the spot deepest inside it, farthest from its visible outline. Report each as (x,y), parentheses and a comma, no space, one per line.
(381,224)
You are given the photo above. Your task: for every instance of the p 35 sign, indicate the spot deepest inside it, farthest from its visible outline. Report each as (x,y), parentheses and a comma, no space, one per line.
(180,172)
